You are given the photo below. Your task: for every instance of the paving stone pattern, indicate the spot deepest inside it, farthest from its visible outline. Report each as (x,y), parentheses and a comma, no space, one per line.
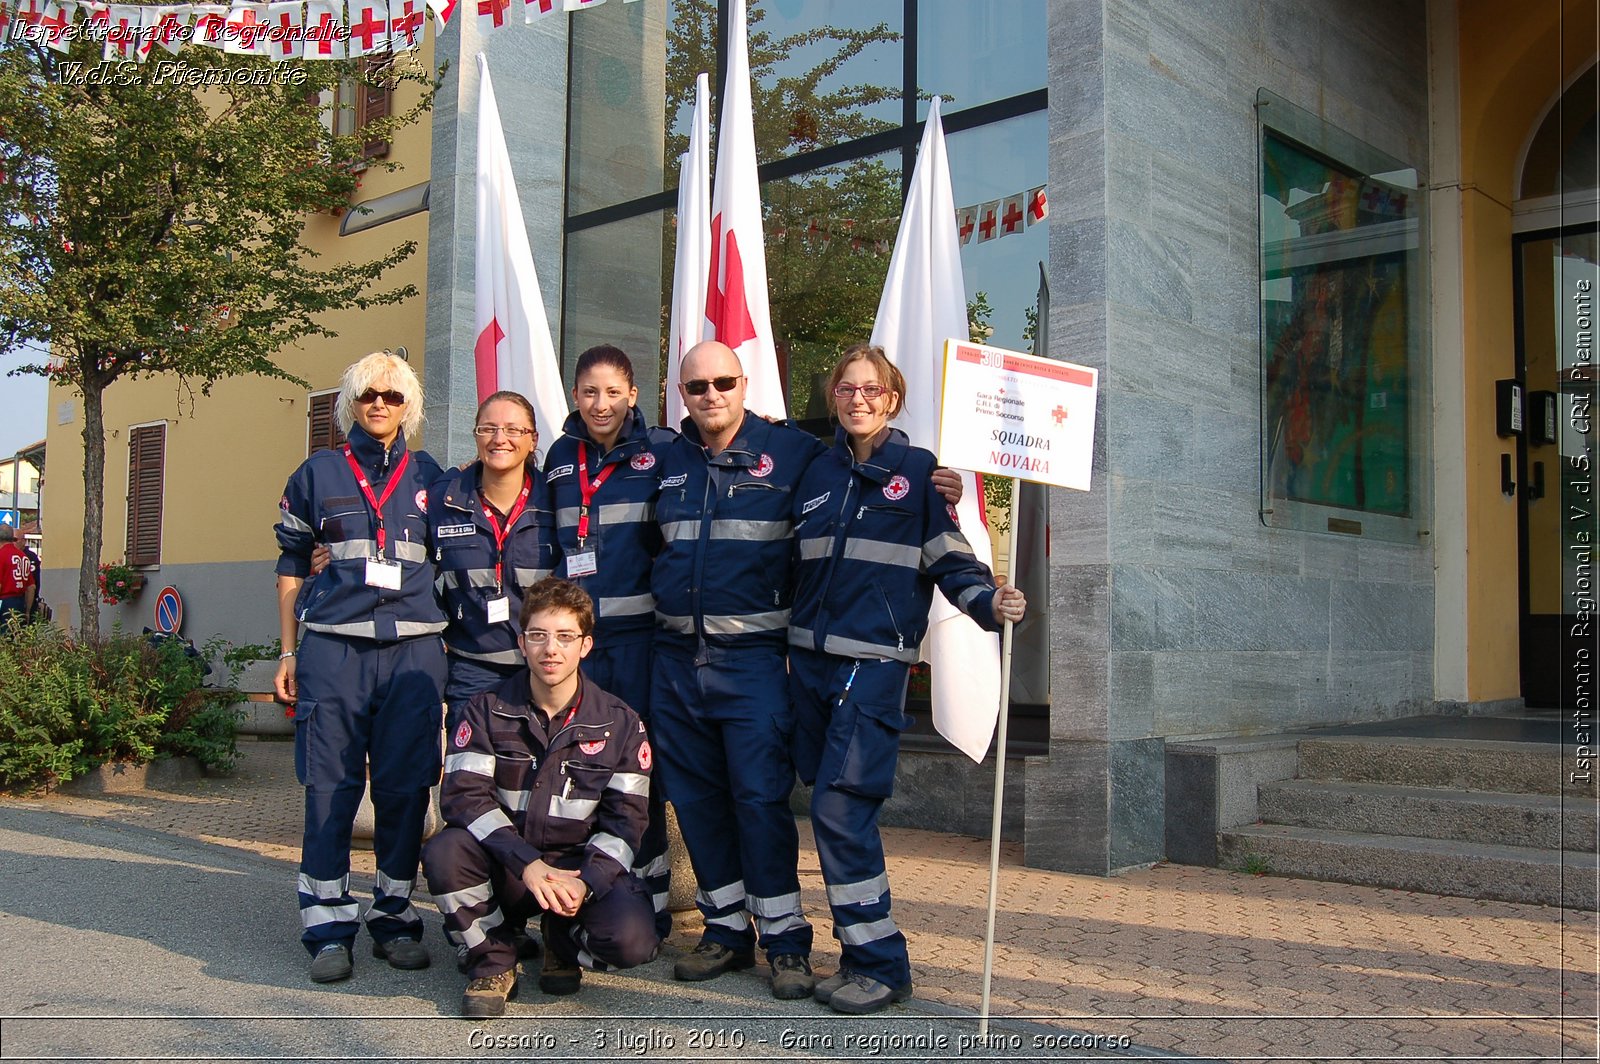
(1200,961)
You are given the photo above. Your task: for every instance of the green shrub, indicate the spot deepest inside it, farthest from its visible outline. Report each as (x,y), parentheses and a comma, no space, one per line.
(67,707)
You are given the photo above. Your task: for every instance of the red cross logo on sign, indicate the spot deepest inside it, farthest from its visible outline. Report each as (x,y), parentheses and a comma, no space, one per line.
(1059,413)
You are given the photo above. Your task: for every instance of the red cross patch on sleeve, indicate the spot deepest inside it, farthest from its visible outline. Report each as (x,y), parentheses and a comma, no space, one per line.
(463,735)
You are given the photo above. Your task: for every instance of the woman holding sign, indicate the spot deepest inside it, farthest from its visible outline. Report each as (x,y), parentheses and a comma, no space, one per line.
(872,539)
(366,678)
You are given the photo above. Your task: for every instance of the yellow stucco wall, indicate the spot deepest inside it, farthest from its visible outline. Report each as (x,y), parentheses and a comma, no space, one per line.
(228,454)
(1515,58)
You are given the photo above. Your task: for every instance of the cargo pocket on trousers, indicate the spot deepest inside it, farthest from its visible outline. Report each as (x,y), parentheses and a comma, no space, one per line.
(305,711)
(868,765)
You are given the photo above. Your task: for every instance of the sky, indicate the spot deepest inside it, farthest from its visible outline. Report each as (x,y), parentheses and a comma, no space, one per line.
(22,404)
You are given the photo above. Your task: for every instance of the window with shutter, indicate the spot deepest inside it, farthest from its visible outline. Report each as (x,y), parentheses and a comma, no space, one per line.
(373,102)
(147,455)
(324,432)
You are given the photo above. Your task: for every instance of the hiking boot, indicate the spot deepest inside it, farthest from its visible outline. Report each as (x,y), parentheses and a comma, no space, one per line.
(405,953)
(709,960)
(558,977)
(825,988)
(332,963)
(527,945)
(487,996)
(862,994)
(791,977)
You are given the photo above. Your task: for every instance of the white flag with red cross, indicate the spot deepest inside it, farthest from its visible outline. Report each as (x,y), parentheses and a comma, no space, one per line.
(246,32)
(736,295)
(369,28)
(966,223)
(1011,216)
(406,22)
(1038,205)
(30,12)
(443,11)
(286,30)
(325,37)
(534,10)
(513,351)
(122,36)
(924,303)
(492,15)
(210,25)
(579,5)
(170,28)
(693,260)
(988,220)
(58,15)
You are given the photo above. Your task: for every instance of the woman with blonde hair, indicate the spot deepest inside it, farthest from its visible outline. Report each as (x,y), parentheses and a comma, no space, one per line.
(366,680)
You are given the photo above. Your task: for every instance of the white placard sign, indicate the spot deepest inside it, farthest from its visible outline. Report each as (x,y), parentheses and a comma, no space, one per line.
(1017,415)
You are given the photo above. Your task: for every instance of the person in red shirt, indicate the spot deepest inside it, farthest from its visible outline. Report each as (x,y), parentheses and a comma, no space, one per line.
(18,585)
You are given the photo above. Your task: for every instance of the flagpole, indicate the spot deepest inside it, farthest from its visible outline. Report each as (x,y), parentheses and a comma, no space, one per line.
(999,783)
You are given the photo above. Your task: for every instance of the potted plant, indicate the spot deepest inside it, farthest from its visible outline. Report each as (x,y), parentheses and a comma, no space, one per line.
(118,581)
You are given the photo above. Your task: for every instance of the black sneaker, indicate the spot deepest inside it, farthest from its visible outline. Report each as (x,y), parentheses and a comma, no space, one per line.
(332,963)
(791,977)
(405,953)
(709,960)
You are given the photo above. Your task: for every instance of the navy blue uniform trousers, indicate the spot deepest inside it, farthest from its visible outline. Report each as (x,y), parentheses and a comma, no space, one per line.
(481,901)
(721,733)
(364,708)
(849,714)
(623,667)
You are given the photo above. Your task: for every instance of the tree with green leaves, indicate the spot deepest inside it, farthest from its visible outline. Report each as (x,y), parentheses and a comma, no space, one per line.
(150,227)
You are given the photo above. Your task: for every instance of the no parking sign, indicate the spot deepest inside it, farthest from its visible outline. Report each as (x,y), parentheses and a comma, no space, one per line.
(169,611)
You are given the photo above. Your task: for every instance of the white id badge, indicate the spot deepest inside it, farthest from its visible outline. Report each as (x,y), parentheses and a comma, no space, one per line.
(499,610)
(581,564)
(384,573)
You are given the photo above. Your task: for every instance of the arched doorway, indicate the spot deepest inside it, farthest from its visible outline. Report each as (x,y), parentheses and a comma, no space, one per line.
(1556,278)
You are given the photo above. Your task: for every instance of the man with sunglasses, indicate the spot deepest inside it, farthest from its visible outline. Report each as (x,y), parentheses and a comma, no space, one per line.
(719,710)
(546,792)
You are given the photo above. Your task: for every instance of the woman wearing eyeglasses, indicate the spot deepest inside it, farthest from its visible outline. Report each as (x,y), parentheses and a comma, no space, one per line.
(492,538)
(872,539)
(603,483)
(366,679)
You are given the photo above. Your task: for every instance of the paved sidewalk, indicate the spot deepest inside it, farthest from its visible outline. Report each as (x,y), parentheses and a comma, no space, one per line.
(1193,961)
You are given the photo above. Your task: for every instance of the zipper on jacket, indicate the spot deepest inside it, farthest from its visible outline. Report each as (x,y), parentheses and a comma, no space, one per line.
(894,622)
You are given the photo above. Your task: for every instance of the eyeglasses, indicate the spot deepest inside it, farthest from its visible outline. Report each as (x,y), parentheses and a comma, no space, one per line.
(538,638)
(390,396)
(868,391)
(510,432)
(724,384)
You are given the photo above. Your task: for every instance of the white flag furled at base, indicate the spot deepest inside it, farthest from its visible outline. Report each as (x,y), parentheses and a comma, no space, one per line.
(693,260)
(513,350)
(925,303)
(737,311)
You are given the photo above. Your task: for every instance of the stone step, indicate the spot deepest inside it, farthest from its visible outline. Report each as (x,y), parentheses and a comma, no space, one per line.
(1546,821)
(1465,764)
(1402,862)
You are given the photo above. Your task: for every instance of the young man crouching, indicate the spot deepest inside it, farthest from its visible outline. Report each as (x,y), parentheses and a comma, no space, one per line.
(546,787)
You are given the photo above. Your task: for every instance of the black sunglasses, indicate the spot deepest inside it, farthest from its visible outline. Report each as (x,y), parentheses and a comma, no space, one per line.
(700,387)
(391,397)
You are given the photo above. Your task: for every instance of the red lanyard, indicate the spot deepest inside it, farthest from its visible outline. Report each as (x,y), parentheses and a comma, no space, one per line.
(377,501)
(587,490)
(500,534)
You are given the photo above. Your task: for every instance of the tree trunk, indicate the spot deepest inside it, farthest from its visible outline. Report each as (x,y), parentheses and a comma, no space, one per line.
(94,506)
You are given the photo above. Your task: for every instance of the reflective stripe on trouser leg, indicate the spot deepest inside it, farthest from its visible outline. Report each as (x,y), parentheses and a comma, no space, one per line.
(858,751)
(475,894)
(405,764)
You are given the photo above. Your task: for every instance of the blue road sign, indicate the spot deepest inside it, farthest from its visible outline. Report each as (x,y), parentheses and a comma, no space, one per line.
(169,611)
